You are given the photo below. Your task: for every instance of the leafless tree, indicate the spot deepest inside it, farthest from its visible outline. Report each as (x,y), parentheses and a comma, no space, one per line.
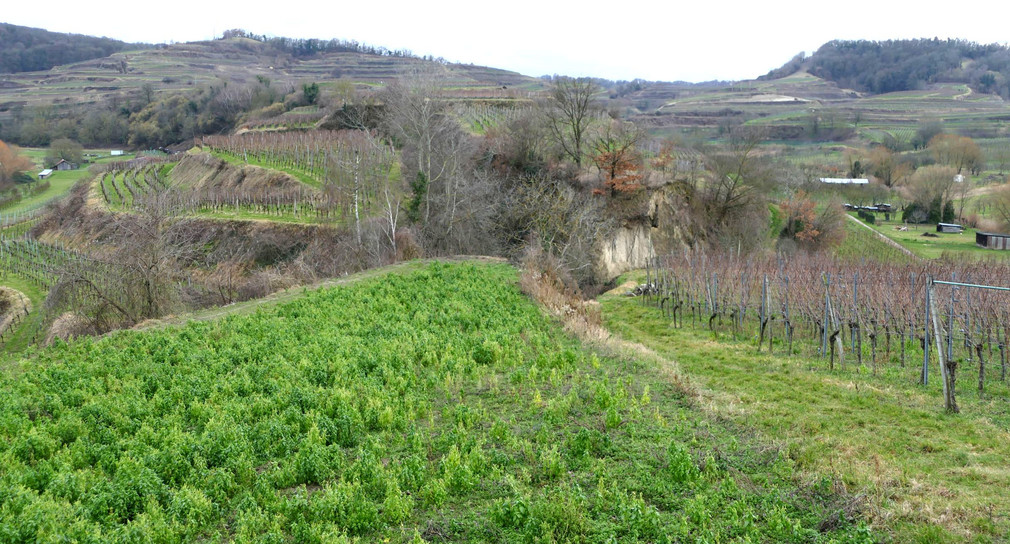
(727,205)
(569,113)
(418,116)
(933,182)
(564,221)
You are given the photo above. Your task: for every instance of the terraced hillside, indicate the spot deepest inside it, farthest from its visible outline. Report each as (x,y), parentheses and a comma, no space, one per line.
(238,60)
(802,106)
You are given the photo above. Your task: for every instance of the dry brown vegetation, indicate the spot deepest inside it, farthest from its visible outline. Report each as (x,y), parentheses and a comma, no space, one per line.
(544,279)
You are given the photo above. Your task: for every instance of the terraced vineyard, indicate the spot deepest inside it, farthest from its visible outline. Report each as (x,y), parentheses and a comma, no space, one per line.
(479,117)
(124,185)
(437,406)
(83,282)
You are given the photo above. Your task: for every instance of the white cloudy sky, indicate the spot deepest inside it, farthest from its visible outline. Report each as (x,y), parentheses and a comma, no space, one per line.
(662,40)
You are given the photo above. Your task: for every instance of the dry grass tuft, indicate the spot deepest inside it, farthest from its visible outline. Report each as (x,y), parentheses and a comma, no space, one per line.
(544,280)
(12,303)
(67,327)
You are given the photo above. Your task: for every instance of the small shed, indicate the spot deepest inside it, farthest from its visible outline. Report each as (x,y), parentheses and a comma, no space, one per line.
(64,165)
(991,240)
(45,173)
(116,152)
(949,228)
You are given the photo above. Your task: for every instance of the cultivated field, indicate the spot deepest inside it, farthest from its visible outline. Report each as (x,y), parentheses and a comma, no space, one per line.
(437,405)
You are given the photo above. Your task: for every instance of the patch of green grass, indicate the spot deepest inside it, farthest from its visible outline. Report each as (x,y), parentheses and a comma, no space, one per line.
(862,243)
(947,245)
(293,172)
(20,337)
(59,184)
(60,181)
(928,476)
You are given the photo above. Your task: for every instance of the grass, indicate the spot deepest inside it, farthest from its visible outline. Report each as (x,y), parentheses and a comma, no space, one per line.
(20,338)
(437,405)
(943,245)
(930,477)
(862,243)
(296,173)
(60,181)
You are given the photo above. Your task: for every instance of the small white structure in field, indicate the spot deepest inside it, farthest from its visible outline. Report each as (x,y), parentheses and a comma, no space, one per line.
(845,181)
(45,173)
(959,179)
(116,152)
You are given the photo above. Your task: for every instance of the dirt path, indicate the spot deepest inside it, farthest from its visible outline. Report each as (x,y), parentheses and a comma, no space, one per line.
(903,249)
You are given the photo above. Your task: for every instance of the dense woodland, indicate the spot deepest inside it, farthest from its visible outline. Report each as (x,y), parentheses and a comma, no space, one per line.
(24,49)
(902,65)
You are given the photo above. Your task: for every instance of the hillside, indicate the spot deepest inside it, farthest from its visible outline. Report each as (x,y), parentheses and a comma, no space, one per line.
(186,66)
(906,65)
(24,49)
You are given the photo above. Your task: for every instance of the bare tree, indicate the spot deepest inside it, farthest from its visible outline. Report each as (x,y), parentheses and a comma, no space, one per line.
(12,162)
(569,114)
(727,205)
(563,221)
(1000,203)
(959,152)
(359,171)
(148,254)
(932,183)
(1002,154)
(417,116)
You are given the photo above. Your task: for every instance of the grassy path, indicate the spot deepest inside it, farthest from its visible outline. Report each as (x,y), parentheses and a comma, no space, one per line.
(20,337)
(883,237)
(930,477)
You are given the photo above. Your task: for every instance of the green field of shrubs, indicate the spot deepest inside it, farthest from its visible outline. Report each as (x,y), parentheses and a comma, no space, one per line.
(441,406)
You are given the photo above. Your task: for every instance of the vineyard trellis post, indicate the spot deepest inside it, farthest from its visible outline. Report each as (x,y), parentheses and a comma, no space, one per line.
(950,320)
(949,402)
(925,332)
(827,315)
(948,367)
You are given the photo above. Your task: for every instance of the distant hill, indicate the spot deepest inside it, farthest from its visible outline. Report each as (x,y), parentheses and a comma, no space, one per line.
(93,101)
(905,65)
(25,49)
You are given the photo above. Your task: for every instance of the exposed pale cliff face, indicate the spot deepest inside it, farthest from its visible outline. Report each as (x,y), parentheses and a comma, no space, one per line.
(627,248)
(648,226)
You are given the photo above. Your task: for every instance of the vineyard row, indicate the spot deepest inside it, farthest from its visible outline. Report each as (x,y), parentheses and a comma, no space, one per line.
(877,312)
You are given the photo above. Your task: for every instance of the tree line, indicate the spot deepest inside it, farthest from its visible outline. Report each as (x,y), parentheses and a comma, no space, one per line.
(903,65)
(307,47)
(24,49)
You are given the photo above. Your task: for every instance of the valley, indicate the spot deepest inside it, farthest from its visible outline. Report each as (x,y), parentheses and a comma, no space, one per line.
(329,292)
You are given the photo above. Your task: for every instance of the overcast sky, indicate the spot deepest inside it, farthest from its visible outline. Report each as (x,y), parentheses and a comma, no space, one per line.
(665,40)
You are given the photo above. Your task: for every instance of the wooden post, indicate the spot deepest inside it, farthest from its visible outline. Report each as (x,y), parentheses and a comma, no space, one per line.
(947,373)
(925,338)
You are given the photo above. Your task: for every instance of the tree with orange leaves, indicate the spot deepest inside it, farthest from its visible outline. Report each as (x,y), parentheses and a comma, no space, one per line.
(617,159)
(800,214)
(666,157)
(12,162)
(809,228)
